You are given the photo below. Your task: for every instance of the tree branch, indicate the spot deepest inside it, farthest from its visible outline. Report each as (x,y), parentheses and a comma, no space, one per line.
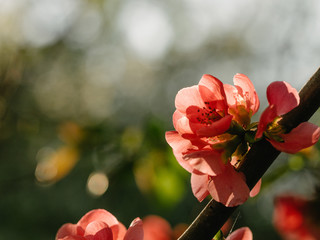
(256,163)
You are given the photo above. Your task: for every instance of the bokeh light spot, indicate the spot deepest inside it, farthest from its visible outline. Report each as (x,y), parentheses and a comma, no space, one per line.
(54,165)
(97,184)
(146,29)
(45,21)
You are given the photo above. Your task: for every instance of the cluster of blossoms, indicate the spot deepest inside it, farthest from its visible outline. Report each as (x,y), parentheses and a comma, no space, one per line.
(100,224)
(214,132)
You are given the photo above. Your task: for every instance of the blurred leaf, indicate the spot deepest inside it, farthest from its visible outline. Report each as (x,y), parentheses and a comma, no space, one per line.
(143,172)
(159,175)
(168,187)
(296,162)
(154,130)
(131,139)
(219,236)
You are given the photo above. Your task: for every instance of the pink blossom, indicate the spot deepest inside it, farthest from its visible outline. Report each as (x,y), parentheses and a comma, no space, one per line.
(282,99)
(209,175)
(229,187)
(243,233)
(100,224)
(210,122)
(202,110)
(242,99)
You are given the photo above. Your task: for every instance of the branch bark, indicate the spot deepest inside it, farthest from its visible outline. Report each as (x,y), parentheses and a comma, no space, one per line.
(257,161)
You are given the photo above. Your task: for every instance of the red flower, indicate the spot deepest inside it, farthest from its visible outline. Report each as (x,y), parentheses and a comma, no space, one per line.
(156,228)
(292,218)
(210,122)
(100,224)
(282,99)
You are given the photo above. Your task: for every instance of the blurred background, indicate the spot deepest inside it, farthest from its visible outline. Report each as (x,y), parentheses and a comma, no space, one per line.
(87,92)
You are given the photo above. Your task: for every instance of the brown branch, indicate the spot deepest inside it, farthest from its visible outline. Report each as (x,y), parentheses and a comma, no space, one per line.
(256,163)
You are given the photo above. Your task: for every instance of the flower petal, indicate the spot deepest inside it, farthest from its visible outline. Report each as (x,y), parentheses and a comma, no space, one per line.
(103,216)
(231,93)
(199,185)
(248,91)
(229,187)
(283,96)
(122,231)
(256,189)
(98,230)
(216,128)
(207,161)
(69,229)
(266,117)
(303,136)
(179,145)
(135,231)
(73,237)
(186,97)
(243,233)
(181,123)
(211,90)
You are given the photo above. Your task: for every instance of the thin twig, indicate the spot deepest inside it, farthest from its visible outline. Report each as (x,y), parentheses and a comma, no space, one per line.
(256,163)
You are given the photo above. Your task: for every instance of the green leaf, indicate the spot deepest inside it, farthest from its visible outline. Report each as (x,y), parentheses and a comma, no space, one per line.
(250,137)
(253,126)
(219,236)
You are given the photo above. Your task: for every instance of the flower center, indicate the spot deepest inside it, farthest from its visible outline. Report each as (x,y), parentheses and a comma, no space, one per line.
(207,115)
(274,130)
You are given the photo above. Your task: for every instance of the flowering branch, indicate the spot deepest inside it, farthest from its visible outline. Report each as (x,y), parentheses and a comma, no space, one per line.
(256,162)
